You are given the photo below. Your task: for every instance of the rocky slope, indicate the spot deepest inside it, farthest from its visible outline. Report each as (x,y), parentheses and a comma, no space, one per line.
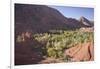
(82,52)
(40,18)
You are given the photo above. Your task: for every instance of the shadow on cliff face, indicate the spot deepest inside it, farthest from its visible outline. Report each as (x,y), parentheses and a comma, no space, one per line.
(27,50)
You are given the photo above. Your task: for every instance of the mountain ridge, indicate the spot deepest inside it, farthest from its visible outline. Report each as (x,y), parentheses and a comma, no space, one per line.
(41,18)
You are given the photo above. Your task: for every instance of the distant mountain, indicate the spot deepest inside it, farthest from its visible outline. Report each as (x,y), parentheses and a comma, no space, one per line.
(41,18)
(86,22)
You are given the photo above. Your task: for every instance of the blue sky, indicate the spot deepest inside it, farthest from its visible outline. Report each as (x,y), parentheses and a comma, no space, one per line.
(76,12)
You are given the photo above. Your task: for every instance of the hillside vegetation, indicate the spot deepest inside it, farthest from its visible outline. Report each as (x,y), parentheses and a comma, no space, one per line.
(56,42)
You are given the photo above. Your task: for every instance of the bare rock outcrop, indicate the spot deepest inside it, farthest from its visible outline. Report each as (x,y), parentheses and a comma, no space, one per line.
(82,52)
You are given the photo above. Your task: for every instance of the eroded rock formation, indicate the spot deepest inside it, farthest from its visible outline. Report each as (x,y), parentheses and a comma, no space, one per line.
(82,52)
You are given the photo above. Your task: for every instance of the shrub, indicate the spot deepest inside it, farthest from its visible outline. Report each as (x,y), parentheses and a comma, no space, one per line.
(56,43)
